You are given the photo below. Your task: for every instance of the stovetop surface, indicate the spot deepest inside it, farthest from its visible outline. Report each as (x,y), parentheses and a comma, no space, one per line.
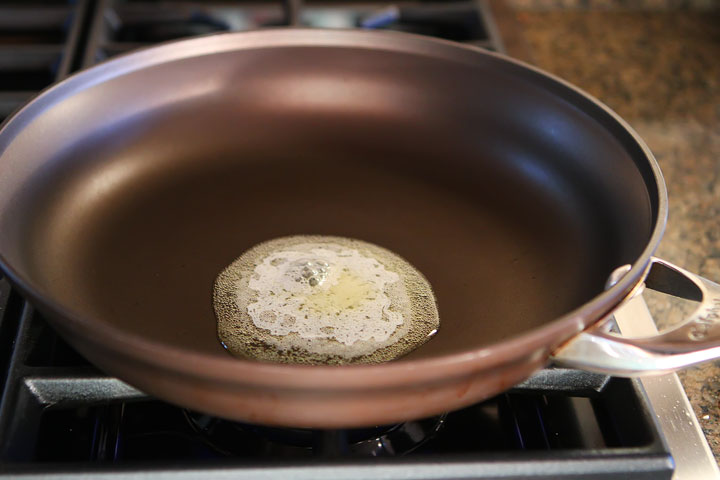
(60,415)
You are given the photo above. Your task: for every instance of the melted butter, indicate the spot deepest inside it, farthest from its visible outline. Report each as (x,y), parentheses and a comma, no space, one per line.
(348,293)
(317,299)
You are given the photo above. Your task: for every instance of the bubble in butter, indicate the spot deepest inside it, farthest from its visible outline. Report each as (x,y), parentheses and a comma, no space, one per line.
(322,300)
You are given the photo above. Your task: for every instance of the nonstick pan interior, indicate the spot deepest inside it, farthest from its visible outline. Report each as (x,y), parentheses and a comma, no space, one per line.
(513,202)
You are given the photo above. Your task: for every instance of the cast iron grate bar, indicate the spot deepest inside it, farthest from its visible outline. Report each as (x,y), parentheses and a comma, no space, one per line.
(564,380)
(10,311)
(68,391)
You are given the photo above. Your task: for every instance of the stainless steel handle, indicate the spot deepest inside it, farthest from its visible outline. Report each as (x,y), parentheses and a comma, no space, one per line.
(695,340)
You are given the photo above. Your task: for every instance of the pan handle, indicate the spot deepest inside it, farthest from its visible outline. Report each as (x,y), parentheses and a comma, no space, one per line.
(695,340)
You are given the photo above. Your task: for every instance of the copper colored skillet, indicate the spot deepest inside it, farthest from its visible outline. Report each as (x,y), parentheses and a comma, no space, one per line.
(125,189)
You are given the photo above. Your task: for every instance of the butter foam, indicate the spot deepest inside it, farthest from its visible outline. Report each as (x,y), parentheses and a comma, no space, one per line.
(313,299)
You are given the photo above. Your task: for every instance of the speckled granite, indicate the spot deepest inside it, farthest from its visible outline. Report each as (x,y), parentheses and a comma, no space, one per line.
(661,72)
(544,5)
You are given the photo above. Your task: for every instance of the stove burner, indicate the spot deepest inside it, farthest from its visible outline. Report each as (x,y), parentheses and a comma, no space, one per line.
(228,437)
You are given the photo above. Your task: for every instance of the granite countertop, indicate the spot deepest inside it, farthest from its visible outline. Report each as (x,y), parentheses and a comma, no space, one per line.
(659,68)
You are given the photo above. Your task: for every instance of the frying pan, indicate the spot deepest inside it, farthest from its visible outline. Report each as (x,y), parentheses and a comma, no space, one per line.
(127,188)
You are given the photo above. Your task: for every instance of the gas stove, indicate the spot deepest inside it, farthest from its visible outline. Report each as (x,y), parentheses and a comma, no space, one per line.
(61,417)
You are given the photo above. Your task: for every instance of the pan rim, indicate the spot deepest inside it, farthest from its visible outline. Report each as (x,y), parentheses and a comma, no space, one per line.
(351,377)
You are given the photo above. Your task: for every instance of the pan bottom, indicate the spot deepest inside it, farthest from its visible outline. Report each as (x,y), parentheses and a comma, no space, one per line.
(138,222)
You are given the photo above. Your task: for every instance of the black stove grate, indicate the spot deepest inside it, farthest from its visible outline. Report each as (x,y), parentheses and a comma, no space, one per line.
(60,416)
(120,26)
(38,41)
